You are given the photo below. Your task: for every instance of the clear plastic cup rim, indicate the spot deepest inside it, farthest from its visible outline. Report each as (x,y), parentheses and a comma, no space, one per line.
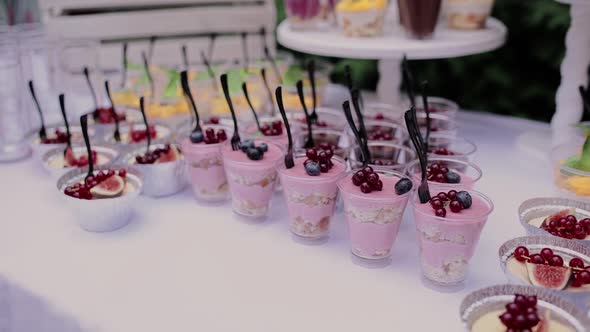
(455,139)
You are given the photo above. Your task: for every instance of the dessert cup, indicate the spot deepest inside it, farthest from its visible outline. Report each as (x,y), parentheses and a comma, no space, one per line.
(102,215)
(328,118)
(447,244)
(55,163)
(383,112)
(439,123)
(364,18)
(164,133)
(516,272)
(437,105)
(311,200)
(468,14)
(534,211)
(251,182)
(327,136)
(204,165)
(373,219)
(490,302)
(159,179)
(383,131)
(386,155)
(469,173)
(303,14)
(450,146)
(252,132)
(419,17)
(569,181)
(39,148)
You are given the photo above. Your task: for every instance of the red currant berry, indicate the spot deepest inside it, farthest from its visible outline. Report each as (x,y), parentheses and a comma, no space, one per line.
(372,178)
(455,206)
(441,212)
(546,253)
(122,173)
(312,154)
(521,253)
(435,168)
(366,188)
(442,196)
(584,277)
(436,203)
(440,178)
(367,170)
(378,186)
(452,194)
(555,261)
(536,259)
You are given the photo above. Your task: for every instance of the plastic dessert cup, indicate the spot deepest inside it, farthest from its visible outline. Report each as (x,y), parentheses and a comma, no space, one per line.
(385,155)
(311,200)
(373,219)
(251,182)
(55,163)
(469,173)
(204,165)
(437,105)
(468,14)
(381,130)
(439,123)
(252,132)
(39,148)
(383,112)
(450,146)
(303,14)
(328,136)
(419,17)
(364,18)
(164,133)
(328,118)
(569,181)
(447,244)
(160,179)
(102,215)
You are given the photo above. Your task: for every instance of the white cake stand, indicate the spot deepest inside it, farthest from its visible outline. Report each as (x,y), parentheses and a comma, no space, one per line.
(390,48)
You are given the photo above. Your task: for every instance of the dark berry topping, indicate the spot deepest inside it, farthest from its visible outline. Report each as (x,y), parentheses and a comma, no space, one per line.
(437,172)
(403,186)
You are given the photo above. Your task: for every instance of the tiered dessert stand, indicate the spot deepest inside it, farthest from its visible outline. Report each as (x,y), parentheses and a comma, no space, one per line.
(390,48)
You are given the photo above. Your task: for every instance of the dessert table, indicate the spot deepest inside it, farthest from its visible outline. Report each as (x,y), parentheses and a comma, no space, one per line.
(183,266)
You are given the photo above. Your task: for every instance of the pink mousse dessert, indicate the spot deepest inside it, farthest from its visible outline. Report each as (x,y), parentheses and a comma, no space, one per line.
(374,204)
(252,176)
(205,164)
(311,192)
(447,173)
(449,227)
(272,130)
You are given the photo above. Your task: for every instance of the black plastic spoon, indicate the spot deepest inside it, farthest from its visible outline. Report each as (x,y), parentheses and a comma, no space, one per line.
(309,143)
(359,115)
(151,46)
(84,125)
(184,57)
(125,64)
(235,140)
(145,123)
(415,136)
(146,65)
(311,74)
(117,134)
(245,90)
(91,88)
(289,161)
(357,135)
(585,93)
(196,135)
(42,131)
(409,81)
(266,86)
(62,105)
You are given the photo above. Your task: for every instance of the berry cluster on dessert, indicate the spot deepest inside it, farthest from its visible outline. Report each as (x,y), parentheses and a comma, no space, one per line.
(211,136)
(565,224)
(139,135)
(165,154)
(252,151)
(107,184)
(212,120)
(318,160)
(455,201)
(383,162)
(521,314)
(368,180)
(547,269)
(442,152)
(440,173)
(275,128)
(70,160)
(59,138)
(403,186)
(379,135)
(319,123)
(104,115)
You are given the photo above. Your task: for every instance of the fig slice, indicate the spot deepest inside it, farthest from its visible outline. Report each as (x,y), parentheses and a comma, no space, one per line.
(547,276)
(557,216)
(113,186)
(171,155)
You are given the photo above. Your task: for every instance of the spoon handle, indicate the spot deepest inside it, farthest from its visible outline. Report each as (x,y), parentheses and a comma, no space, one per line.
(125,64)
(188,95)
(42,131)
(114,112)
(225,87)
(266,86)
(184,56)
(245,90)
(84,125)
(62,105)
(145,122)
(87,75)
(357,135)
(146,64)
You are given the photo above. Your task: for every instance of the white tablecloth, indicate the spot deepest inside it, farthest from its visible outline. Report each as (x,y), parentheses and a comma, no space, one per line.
(181,266)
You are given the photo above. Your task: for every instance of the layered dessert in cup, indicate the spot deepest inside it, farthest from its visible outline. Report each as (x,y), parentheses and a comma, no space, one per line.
(310,191)
(272,129)
(449,227)
(447,173)
(419,17)
(380,130)
(521,308)
(57,162)
(557,216)
(571,164)
(162,166)
(361,18)
(56,138)
(468,14)
(326,139)
(548,262)
(134,135)
(204,163)
(384,155)
(303,14)
(252,176)
(383,112)
(374,203)
(450,146)
(105,201)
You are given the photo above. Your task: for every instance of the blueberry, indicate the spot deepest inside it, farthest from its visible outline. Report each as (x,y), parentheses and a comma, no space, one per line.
(313,168)
(247,144)
(254,154)
(263,147)
(197,137)
(403,186)
(453,177)
(465,199)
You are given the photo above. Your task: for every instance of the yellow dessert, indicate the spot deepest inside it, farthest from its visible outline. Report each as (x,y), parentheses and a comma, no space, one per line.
(361,18)
(359,5)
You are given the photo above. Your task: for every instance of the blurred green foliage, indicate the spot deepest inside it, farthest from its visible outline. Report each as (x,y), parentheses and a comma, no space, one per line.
(519,79)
